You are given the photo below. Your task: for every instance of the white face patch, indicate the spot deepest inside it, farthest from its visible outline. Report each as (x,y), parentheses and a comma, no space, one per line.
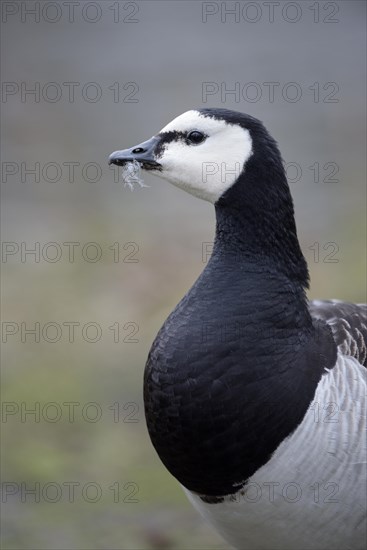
(207,169)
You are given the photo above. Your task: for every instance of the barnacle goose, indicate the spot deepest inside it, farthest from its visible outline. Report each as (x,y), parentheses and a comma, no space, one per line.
(254,396)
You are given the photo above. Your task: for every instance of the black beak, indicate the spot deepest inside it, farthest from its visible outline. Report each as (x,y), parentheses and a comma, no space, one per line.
(143,153)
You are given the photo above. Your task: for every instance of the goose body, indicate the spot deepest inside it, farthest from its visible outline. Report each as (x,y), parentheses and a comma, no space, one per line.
(255,397)
(311,494)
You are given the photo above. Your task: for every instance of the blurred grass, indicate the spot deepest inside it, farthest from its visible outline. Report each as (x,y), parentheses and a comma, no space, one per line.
(105,373)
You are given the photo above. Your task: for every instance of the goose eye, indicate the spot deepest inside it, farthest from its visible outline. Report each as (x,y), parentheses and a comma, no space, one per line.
(195,137)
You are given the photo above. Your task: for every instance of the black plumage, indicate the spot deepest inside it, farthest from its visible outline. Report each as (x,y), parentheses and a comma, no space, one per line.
(235,366)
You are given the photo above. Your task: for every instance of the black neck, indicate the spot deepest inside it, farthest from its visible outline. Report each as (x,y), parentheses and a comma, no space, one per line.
(255,221)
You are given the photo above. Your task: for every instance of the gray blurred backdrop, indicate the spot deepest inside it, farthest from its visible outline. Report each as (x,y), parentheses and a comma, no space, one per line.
(80,472)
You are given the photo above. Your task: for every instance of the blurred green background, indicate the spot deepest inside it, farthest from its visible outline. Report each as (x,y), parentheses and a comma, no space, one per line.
(148,62)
